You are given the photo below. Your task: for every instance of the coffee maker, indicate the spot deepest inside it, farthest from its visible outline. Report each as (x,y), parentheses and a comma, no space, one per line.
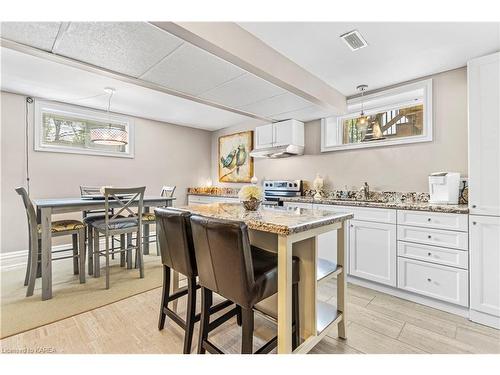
(444,187)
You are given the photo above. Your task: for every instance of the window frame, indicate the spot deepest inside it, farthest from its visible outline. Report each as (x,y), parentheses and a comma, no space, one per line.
(386,100)
(84,113)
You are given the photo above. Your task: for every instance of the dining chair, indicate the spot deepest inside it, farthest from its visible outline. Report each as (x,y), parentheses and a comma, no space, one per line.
(116,224)
(240,272)
(148,218)
(90,216)
(74,228)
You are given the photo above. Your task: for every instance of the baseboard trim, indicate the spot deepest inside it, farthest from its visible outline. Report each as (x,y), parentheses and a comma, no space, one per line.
(18,259)
(485,319)
(440,305)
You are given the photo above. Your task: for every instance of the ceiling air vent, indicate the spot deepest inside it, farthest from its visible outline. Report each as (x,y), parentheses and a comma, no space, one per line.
(354,40)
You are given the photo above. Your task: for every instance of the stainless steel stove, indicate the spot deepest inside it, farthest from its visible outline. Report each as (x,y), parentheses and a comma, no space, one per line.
(274,190)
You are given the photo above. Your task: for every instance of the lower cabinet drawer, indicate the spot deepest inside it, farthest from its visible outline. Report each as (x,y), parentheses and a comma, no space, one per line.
(434,254)
(436,237)
(432,280)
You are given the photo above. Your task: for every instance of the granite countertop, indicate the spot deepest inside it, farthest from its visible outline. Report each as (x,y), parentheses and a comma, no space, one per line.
(214,191)
(417,206)
(279,220)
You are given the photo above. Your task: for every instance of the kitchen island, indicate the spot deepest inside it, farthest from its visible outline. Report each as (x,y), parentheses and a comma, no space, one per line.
(293,232)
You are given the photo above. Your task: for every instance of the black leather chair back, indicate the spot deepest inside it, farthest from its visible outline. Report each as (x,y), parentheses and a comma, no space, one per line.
(173,231)
(224,258)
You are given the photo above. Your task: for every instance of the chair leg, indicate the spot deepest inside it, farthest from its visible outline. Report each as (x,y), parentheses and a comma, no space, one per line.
(107,261)
(175,288)
(122,253)
(28,264)
(74,237)
(206,303)
(247,331)
(295,315)
(129,251)
(39,262)
(238,315)
(97,255)
(33,272)
(165,293)
(112,247)
(139,251)
(90,244)
(81,254)
(190,313)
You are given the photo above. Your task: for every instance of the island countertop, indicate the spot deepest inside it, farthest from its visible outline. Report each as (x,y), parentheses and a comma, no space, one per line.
(279,220)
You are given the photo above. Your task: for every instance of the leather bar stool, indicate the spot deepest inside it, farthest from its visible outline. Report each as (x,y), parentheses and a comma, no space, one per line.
(175,241)
(229,266)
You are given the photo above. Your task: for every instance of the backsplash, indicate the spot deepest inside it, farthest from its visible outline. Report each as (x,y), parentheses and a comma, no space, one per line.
(215,191)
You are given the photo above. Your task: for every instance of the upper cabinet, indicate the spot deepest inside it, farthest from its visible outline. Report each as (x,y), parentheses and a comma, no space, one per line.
(395,116)
(289,132)
(483,76)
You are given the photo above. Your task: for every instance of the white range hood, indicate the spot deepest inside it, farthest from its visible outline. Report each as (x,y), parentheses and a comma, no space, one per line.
(279,140)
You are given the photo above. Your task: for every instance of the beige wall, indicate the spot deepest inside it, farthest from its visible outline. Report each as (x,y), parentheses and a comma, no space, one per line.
(401,168)
(165,154)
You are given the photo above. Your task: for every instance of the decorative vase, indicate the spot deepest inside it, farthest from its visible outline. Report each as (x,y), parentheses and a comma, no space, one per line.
(318,184)
(251,204)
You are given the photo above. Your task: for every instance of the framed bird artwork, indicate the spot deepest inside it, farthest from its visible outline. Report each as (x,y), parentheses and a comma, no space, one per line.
(235,163)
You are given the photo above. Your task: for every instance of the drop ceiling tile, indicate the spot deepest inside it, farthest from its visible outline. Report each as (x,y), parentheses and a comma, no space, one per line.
(277,104)
(242,91)
(305,114)
(126,47)
(35,34)
(192,70)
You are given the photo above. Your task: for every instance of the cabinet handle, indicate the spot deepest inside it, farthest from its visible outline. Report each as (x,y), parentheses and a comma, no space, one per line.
(474,223)
(429,280)
(429,254)
(429,236)
(474,206)
(429,219)
(352,225)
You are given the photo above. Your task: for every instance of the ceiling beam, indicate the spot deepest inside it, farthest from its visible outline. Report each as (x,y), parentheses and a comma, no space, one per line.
(234,44)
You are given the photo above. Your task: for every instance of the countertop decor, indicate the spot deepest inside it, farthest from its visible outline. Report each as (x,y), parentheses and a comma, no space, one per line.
(250,196)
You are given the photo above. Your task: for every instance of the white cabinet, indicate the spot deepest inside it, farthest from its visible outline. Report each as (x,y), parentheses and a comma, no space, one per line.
(485,265)
(372,251)
(484,135)
(264,136)
(445,283)
(289,132)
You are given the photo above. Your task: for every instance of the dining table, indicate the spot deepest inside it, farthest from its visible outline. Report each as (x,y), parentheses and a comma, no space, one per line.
(51,206)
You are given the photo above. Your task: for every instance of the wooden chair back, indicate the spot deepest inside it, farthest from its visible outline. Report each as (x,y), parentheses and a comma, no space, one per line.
(126,198)
(32,221)
(167,191)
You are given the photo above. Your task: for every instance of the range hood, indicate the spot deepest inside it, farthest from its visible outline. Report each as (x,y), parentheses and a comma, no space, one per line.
(279,140)
(277,152)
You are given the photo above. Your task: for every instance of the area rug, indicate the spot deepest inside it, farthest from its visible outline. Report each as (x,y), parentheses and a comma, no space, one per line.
(19,313)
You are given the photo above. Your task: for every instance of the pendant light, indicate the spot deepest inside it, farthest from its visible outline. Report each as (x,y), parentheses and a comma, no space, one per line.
(362,119)
(109,135)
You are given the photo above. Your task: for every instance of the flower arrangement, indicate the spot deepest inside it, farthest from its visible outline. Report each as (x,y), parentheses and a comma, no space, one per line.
(250,196)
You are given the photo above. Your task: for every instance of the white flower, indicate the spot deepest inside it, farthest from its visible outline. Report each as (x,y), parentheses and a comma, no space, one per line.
(248,192)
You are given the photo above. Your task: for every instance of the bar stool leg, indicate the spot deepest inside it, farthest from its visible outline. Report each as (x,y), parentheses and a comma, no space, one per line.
(295,315)
(129,251)
(247,331)
(107,261)
(164,297)
(122,252)
(190,313)
(206,303)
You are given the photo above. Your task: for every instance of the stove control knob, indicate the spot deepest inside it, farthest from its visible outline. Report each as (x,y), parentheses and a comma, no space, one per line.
(289,185)
(295,185)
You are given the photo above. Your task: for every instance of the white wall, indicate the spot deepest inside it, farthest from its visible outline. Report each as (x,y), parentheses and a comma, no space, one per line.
(399,168)
(165,154)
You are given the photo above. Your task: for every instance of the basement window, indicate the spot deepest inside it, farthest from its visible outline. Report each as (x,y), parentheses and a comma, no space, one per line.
(391,117)
(66,128)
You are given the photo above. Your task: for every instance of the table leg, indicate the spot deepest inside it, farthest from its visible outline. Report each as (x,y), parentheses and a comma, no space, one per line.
(145,243)
(284,295)
(342,280)
(46,223)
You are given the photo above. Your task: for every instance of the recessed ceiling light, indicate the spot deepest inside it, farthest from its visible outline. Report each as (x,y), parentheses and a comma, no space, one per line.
(354,40)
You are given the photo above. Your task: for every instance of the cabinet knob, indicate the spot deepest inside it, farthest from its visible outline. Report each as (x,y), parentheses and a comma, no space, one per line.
(429,280)
(474,206)
(429,254)
(429,236)
(352,225)
(474,223)
(429,219)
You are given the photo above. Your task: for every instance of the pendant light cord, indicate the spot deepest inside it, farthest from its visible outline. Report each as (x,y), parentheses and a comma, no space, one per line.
(29,100)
